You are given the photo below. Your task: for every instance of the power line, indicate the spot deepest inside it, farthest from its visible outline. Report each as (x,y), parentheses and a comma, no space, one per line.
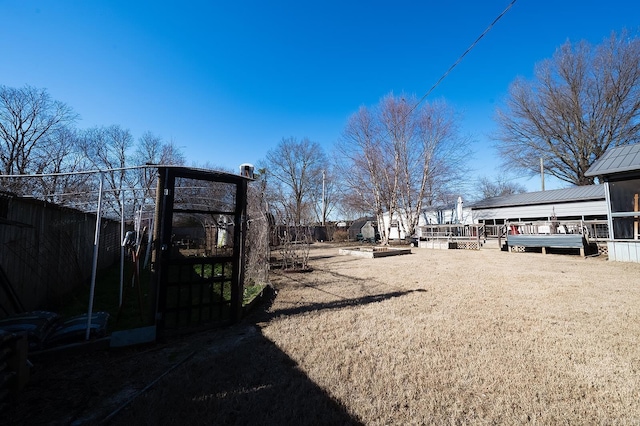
(437,83)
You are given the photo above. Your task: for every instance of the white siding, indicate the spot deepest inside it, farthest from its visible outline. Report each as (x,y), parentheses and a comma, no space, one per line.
(624,251)
(587,208)
(429,217)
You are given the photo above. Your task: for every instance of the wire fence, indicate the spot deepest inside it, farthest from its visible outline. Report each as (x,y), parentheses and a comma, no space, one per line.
(47,248)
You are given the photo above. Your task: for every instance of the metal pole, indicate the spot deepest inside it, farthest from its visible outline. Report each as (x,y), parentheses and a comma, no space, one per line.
(96,243)
(323,206)
(155,239)
(542,172)
(607,196)
(121,247)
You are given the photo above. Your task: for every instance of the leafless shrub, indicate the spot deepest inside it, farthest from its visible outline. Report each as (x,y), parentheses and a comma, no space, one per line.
(257,251)
(295,244)
(340,235)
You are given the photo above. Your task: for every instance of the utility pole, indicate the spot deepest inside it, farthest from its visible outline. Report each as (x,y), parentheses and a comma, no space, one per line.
(324,213)
(542,172)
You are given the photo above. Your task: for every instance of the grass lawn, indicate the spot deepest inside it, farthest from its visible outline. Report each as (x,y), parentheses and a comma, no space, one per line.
(435,337)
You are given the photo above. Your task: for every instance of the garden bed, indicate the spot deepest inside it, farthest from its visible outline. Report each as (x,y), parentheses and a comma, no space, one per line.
(373,252)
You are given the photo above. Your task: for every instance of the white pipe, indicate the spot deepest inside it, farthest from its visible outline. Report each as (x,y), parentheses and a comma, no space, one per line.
(139,226)
(147,256)
(96,244)
(121,248)
(323,204)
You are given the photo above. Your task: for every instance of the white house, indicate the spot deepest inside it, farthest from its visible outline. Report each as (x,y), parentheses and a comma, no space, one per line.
(436,215)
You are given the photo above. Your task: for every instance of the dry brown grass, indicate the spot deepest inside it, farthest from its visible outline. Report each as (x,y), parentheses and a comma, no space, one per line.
(435,337)
(469,337)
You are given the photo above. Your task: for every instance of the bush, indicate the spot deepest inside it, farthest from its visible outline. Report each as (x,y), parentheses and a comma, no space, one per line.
(340,235)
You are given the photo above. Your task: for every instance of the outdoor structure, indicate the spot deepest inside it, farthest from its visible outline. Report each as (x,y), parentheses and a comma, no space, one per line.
(364,228)
(373,252)
(193,288)
(455,213)
(546,236)
(575,203)
(569,218)
(450,236)
(620,169)
(185,258)
(448,214)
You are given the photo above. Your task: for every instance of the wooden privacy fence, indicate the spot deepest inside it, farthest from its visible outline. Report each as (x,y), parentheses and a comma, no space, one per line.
(46,250)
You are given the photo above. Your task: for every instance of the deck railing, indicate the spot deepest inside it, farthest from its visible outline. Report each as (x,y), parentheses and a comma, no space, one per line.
(597,229)
(449,231)
(494,231)
(592,230)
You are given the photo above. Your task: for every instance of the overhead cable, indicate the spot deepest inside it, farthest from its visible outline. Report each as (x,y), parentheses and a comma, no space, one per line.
(437,83)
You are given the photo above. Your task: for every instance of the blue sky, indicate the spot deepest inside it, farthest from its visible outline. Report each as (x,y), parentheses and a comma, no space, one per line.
(226,81)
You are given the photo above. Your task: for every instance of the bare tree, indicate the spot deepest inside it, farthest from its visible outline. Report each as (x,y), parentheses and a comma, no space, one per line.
(351,206)
(294,173)
(398,157)
(581,101)
(28,116)
(362,166)
(108,148)
(498,187)
(433,161)
(59,162)
(153,150)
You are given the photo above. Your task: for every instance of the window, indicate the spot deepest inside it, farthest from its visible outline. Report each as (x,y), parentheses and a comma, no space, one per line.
(625,211)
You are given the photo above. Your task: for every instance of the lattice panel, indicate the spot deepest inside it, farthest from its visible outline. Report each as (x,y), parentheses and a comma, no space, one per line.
(603,249)
(468,245)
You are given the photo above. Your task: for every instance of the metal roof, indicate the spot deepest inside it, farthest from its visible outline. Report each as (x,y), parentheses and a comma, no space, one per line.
(567,195)
(625,158)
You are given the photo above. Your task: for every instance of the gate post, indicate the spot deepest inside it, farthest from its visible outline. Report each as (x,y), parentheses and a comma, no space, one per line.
(238,248)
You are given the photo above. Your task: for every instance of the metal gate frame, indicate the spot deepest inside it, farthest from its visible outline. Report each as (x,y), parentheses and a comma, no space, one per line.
(184,305)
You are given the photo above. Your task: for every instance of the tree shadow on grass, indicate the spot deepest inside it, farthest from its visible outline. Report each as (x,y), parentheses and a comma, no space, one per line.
(244,381)
(340,304)
(233,376)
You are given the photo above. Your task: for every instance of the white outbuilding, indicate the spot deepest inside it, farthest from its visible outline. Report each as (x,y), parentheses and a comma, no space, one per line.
(575,203)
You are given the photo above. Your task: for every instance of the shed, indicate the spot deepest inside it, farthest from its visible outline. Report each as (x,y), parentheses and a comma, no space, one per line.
(619,168)
(575,203)
(365,226)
